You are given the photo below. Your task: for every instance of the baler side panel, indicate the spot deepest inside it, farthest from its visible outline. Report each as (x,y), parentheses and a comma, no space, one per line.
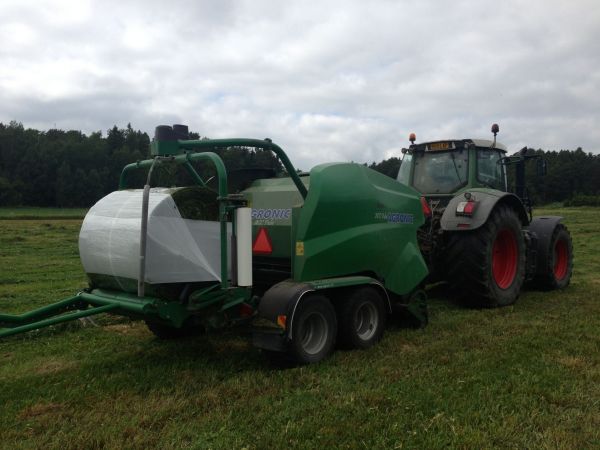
(355,221)
(272,201)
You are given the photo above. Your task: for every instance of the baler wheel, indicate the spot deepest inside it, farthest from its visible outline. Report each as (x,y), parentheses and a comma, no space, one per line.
(314,329)
(486,266)
(361,318)
(556,272)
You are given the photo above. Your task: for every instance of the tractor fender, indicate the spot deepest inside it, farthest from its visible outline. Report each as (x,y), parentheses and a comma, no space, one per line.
(486,202)
(543,227)
(283,299)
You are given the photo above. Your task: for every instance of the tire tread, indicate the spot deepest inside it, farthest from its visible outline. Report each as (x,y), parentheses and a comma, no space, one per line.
(468,262)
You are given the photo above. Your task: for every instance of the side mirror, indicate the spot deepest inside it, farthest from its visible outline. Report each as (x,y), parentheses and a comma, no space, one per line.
(541,167)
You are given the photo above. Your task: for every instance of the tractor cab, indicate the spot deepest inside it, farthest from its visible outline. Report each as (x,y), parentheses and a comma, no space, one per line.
(441,169)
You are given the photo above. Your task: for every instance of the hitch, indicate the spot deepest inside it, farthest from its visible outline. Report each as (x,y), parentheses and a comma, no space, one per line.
(84,304)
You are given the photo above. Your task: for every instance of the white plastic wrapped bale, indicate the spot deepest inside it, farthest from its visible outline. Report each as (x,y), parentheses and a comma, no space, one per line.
(178,250)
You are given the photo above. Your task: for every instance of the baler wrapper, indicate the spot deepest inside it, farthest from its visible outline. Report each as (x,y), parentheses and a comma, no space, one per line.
(178,250)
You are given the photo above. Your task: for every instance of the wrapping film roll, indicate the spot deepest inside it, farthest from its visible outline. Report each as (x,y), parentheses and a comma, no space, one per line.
(178,250)
(243,224)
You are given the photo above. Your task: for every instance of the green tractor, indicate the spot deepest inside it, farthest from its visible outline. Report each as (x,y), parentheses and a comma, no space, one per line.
(478,236)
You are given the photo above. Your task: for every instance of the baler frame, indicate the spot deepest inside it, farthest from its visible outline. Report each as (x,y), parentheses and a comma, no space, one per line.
(339,252)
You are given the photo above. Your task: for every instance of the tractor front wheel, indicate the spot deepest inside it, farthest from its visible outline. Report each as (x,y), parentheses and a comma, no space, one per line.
(486,267)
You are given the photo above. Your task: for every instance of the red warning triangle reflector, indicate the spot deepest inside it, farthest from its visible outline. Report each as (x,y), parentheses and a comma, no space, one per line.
(262,244)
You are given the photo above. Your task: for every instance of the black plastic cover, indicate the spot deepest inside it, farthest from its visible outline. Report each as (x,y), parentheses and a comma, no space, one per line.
(164,133)
(181,131)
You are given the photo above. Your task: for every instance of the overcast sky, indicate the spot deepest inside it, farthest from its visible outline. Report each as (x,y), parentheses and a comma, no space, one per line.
(327,80)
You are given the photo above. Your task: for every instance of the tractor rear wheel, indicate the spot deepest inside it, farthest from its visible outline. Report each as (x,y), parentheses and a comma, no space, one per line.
(556,271)
(486,267)
(361,318)
(314,329)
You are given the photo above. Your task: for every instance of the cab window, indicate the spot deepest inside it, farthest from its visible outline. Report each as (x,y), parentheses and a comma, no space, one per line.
(489,172)
(440,172)
(404,172)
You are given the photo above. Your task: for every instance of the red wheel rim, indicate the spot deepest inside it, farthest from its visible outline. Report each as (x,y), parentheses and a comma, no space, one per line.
(561,259)
(504,258)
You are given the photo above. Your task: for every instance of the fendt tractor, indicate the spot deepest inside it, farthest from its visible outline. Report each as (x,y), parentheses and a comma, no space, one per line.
(478,236)
(309,260)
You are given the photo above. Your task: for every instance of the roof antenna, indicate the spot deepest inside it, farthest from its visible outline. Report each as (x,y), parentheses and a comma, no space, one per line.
(495,130)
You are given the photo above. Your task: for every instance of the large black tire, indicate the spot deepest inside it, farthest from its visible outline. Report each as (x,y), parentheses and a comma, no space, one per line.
(556,271)
(361,318)
(314,330)
(486,267)
(167,332)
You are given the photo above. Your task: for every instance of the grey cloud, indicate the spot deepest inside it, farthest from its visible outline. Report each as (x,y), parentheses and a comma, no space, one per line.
(345,80)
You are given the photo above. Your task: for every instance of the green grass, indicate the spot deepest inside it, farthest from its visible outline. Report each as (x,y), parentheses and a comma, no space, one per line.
(526,376)
(30,213)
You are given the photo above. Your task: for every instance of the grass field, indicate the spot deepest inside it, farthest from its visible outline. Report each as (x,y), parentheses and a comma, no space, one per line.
(41,213)
(526,376)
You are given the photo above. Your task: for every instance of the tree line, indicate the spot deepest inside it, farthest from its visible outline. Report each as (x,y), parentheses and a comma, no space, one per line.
(72,169)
